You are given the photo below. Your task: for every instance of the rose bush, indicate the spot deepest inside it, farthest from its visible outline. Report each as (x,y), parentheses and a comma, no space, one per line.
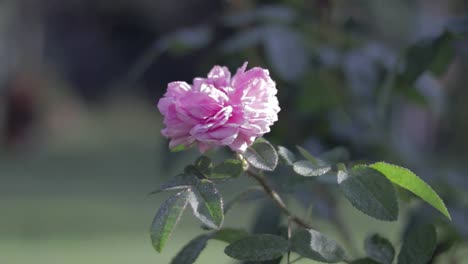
(235,112)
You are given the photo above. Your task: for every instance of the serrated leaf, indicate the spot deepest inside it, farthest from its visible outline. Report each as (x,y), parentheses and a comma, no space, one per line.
(305,168)
(370,192)
(207,204)
(262,155)
(308,156)
(230,235)
(204,165)
(229,168)
(408,180)
(286,155)
(258,248)
(191,251)
(379,249)
(418,246)
(167,218)
(314,245)
(181,181)
(364,261)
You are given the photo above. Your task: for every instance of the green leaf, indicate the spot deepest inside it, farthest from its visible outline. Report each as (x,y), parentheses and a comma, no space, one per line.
(193,170)
(258,248)
(308,156)
(181,181)
(167,218)
(178,148)
(230,235)
(314,245)
(229,168)
(364,261)
(429,54)
(204,165)
(418,245)
(444,55)
(262,155)
(305,168)
(191,251)
(370,192)
(286,155)
(207,204)
(380,249)
(408,180)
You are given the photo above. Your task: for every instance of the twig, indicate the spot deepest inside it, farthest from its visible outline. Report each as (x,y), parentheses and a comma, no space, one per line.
(277,199)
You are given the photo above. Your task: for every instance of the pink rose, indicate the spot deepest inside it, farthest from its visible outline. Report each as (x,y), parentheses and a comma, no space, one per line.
(220,110)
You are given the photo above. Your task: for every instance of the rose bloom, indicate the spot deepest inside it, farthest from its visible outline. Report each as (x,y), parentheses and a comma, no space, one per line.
(220,110)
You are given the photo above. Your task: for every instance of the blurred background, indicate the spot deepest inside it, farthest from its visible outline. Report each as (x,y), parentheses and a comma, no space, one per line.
(80,148)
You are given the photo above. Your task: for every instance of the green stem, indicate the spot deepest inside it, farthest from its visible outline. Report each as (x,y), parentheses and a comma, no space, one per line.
(277,199)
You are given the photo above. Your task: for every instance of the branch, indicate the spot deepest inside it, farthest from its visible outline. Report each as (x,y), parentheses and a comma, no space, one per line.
(277,199)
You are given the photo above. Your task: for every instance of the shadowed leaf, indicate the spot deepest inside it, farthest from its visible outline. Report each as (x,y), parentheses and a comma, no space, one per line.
(204,165)
(167,218)
(418,245)
(380,249)
(230,235)
(314,245)
(207,204)
(370,192)
(191,251)
(432,54)
(229,168)
(258,248)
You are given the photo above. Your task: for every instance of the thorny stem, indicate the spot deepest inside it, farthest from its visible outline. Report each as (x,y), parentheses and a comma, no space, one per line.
(277,199)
